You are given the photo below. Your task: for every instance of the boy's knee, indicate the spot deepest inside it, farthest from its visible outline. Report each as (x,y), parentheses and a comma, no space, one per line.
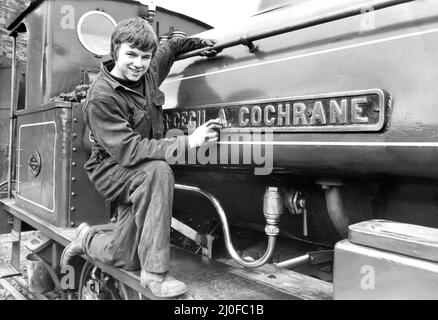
(161,168)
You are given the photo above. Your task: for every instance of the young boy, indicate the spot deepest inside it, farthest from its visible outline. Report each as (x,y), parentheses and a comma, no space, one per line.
(123,112)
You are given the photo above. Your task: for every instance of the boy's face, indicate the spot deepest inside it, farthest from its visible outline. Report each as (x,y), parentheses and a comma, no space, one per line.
(131,63)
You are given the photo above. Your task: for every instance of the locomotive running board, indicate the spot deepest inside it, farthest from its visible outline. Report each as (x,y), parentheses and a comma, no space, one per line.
(205,278)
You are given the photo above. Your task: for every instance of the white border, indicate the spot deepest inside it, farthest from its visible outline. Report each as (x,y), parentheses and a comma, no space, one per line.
(78,30)
(19,163)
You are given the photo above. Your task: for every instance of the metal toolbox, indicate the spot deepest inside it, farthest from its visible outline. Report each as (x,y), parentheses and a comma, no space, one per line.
(387,260)
(52,183)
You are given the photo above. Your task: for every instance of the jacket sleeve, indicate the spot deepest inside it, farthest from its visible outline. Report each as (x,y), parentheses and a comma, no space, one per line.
(167,53)
(114,133)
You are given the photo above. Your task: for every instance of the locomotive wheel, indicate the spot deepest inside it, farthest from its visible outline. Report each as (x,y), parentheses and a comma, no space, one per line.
(94,284)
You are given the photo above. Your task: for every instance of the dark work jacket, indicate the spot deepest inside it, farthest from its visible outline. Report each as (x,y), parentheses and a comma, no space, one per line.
(127,127)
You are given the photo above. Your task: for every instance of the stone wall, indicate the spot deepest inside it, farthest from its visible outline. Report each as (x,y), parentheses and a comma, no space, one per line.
(9,10)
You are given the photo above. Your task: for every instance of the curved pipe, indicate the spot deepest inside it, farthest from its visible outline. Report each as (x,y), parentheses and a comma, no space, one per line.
(336,210)
(226,230)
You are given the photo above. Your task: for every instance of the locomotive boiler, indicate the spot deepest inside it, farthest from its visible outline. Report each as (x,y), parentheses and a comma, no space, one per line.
(329,132)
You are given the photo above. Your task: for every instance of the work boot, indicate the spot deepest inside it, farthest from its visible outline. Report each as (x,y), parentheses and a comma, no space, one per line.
(77,246)
(162,285)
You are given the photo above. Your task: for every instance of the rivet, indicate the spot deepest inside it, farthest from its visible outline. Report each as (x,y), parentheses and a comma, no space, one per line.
(74,149)
(74,135)
(73,179)
(75,119)
(72,208)
(73,194)
(73,164)
(72,224)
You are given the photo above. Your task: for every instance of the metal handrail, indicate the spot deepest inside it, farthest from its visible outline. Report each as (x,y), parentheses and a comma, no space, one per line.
(12,115)
(247,40)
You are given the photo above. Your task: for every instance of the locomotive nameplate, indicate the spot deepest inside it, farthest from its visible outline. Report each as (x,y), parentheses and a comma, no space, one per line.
(343,111)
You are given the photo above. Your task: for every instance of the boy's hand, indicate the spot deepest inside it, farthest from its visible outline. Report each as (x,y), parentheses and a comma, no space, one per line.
(207,133)
(209,52)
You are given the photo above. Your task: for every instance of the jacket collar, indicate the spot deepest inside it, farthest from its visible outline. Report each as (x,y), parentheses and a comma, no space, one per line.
(105,69)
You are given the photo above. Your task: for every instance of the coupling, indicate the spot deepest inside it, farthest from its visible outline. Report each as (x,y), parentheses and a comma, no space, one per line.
(272,210)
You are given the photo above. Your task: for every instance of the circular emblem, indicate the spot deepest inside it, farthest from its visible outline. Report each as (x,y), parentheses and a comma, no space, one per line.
(34,163)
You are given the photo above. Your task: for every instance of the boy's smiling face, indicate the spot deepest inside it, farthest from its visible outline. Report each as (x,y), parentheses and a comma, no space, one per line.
(131,63)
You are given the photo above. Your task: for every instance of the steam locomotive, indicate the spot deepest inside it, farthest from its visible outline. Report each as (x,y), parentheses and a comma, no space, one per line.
(327,151)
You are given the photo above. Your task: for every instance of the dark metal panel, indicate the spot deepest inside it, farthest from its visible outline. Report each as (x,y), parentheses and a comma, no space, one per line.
(86,204)
(46,133)
(36,164)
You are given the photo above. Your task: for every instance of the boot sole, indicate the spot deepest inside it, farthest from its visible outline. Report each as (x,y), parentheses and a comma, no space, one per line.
(66,249)
(166,295)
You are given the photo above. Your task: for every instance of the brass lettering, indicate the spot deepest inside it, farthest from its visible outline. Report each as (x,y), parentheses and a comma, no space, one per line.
(318,113)
(338,112)
(283,114)
(167,121)
(184,120)
(269,121)
(192,119)
(356,110)
(222,116)
(242,112)
(201,117)
(299,114)
(176,120)
(256,116)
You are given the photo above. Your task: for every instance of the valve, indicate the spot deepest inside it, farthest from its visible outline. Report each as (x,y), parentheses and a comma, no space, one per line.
(272,210)
(296,204)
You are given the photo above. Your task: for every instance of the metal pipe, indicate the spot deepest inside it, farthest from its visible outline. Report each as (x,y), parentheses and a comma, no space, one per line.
(294,262)
(12,112)
(336,210)
(323,18)
(226,231)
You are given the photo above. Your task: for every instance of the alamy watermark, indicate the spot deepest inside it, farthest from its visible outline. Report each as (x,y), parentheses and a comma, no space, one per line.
(368,279)
(246,149)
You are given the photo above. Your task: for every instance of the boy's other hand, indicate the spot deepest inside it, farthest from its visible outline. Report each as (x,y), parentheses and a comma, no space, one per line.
(209,52)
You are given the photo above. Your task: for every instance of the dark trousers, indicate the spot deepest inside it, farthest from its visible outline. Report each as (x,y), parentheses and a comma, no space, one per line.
(141,237)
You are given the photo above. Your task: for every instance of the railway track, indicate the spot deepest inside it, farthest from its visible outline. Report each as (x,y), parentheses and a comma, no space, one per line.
(16,288)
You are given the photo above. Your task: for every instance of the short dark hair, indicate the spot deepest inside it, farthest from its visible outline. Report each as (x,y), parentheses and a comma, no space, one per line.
(135,31)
